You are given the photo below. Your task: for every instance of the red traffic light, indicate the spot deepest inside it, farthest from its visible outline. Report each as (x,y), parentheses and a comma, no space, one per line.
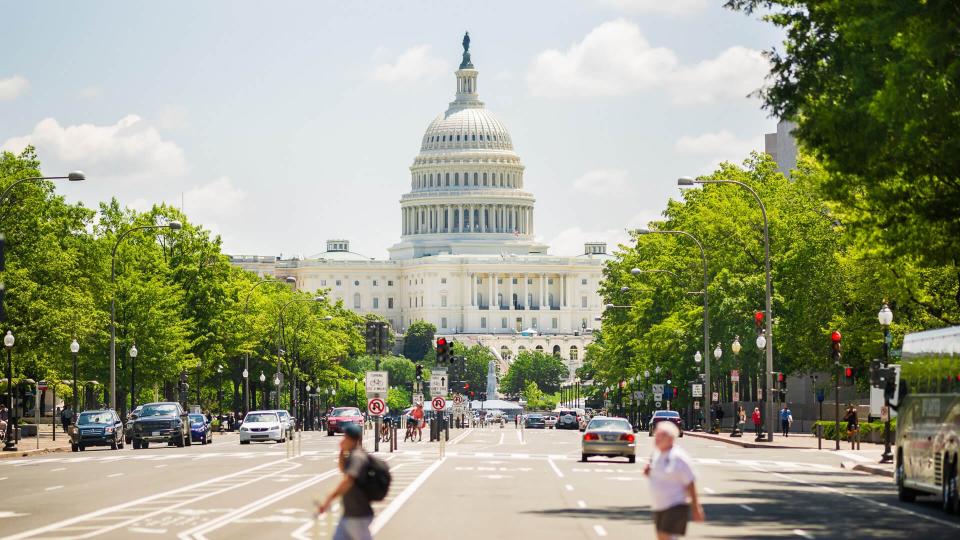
(441,342)
(781,377)
(466,386)
(848,372)
(835,336)
(758,316)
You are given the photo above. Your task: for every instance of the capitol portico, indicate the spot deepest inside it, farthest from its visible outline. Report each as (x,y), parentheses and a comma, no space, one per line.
(467,260)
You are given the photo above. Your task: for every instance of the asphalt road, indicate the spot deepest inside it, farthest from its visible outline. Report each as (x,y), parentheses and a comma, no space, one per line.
(491,483)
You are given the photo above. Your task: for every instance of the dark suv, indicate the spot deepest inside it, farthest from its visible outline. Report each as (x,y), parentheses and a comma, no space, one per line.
(96,428)
(161,422)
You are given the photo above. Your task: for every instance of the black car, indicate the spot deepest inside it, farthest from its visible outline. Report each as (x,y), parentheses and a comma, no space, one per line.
(535,421)
(665,416)
(96,428)
(164,421)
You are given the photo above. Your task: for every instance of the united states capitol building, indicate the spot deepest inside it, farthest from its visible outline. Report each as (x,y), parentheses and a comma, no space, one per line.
(467,260)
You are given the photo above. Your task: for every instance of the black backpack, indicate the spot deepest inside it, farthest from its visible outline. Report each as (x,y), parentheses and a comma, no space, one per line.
(376,481)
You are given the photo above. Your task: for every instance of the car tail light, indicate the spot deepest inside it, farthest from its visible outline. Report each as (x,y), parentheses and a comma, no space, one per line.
(591,437)
(627,437)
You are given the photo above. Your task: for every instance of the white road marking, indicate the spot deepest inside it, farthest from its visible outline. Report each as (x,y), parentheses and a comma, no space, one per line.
(747,508)
(800,532)
(568,487)
(494,476)
(51,488)
(58,469)
(581,504)
(502,435)
(853,456)
(114,475)
(6,514)
(599,530)
(555,468)
(709,490)
(391,509)
(2,478)
(160,466)
(146,530)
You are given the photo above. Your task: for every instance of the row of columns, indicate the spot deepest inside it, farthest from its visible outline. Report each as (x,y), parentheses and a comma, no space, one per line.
(423,180)
(460,218)
(522,301)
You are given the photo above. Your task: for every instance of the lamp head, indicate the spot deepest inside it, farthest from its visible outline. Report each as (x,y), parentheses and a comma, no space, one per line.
(133,351)
(685,181)
(219,368)
(885,317)
(636,271)
(736,345)
(174,225)
(761,342)
(8,340)
(262,377)
(74,346)
(624,289)
(290,279)
(718,352)
(246,374)
(276,381)
(641,230)
(76,176)
(608,306)
(698,357)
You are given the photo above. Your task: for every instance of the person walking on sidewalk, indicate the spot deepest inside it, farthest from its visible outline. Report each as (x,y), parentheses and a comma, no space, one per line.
(853,427)
(66,417)
(786,418)
(357,512)
(757,419)
(673,490)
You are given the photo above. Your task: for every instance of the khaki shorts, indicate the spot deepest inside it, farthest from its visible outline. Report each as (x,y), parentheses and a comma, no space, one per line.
(673,520)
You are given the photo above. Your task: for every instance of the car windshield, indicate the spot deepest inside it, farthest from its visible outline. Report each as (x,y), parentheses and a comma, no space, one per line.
(261,417)
(669,414)
(608,423)
(346,411)
(567,413)
(95,418)
(535,416)
(198,418)
(159,410)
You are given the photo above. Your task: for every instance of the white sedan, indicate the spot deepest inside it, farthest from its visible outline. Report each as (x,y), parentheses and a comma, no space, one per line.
(262,426)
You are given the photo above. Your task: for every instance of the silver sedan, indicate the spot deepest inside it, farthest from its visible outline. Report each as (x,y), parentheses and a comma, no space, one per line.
(610,437)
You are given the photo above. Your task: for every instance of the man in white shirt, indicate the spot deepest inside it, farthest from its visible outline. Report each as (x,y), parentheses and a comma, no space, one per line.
(672,489)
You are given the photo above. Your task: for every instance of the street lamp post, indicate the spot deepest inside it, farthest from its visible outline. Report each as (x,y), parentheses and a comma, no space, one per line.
(263,388)
(706,309)
(885,317)
(309,409)
(220,393)
(75,349)
(736,347)
(771,413)
(761,345)
(717,353)
(133,376)
(246,356)
(75,176)
(246,390)
(173,226)
(10,443)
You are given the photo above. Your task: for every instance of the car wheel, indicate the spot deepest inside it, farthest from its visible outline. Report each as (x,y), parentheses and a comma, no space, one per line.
(632,459)
(583,458)
(948,499)
(905,494)
(244,442)
(136,444)
(74,448)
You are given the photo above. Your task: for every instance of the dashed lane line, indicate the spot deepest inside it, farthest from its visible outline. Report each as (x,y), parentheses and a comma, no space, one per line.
(747,508)
(568,487)
(555,468)
(802,533)
(53,488)
(581,504)
(599,530)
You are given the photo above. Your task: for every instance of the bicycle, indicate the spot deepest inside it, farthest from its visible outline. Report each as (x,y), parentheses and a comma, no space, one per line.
(385,430)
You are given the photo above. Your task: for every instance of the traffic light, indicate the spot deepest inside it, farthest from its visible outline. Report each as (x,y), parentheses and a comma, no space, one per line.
(876,374)
(848,376)
(372,335)
(835,338)
(383,343)
(443,351)
(483,396)
(419,372)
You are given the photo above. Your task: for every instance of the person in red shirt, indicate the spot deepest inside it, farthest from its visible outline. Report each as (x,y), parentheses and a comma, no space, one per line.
(418,416)
(756,420)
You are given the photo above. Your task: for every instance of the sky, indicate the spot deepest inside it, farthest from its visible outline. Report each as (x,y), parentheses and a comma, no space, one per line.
(279,125)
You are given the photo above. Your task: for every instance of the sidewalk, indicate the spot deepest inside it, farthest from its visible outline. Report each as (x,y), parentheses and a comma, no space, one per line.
(28,446)
(864,460)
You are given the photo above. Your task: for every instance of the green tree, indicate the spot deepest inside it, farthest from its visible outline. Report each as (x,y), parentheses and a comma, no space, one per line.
(418,341)
(546,370)
(477,358)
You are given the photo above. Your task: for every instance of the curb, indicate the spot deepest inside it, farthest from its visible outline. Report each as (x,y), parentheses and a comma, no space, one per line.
(742,444)
(34,452)
(869,469)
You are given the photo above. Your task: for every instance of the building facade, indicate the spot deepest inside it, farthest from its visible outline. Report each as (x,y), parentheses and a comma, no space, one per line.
(467,260)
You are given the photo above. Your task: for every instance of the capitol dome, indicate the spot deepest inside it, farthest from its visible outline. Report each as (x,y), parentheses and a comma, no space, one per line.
(466,184)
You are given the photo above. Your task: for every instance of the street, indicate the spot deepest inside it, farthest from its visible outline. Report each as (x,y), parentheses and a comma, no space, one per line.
(493,482)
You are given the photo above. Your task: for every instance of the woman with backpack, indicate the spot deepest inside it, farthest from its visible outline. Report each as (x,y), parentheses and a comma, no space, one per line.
(360,485)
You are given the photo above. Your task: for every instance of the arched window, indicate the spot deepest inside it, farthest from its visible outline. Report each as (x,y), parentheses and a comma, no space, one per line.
(529,300)
(521,348)
(504,352)
(475,136)
(539,348)
(484,178)
(514,300)
(356,301)
(556,351)
(447,179)
(458,137)
(574,353)
(456,179)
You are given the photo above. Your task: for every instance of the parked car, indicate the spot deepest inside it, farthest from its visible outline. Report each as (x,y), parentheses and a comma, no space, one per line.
(666,416)
(262,426)
(131,416)
(164,421)
(96,428)
(200,429)
(342,416)
(535,421)
(289,421)
(550,421)
(568,420)
(611,437)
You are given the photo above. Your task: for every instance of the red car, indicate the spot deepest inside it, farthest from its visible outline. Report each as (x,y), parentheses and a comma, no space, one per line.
(666,416)
(341,416)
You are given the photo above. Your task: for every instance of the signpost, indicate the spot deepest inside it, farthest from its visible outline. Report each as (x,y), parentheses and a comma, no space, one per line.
(658,392)
(734,375)
(696,404)
(656,404)
(377,385)
(698,390)
(714,396)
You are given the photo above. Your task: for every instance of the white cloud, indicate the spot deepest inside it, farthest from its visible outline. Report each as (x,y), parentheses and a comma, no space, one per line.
(129,149)
(673,8)
(718,147)
(413,64)
(13,87)
(217,198)
(602,182)
(615,59)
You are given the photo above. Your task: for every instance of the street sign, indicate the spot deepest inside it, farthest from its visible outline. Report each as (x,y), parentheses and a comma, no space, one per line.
(439,403)
(735,375)
(377,383)
(696,404)
(714,396)
(42,386)
(698,390)
(658,392)
(458,400)
(438,383)
(642,396)
(418,399)
(657,404)
(376,406)
(736,396)
(637,395)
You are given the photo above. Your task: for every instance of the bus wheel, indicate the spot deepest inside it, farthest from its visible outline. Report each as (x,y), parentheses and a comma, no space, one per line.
(949,499)
(905,494)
